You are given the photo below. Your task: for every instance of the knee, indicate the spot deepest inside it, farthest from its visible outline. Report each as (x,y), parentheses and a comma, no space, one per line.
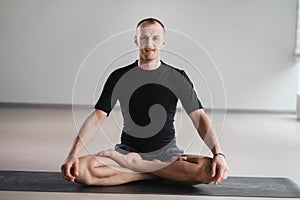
(203,171)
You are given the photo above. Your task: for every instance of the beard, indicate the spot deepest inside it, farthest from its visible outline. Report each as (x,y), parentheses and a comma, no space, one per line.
(149,55)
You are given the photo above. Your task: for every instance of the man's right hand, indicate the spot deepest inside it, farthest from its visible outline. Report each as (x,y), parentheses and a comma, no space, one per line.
(70,168)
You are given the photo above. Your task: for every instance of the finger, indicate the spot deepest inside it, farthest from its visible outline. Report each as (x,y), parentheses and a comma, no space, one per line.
(225,174)
(64,170)
(68,178)
(68,172)
(76,168)
(64,174)
(72,180)
(219,176)
(213,169)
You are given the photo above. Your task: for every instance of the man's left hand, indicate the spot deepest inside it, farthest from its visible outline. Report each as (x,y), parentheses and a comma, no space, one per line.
(219,169)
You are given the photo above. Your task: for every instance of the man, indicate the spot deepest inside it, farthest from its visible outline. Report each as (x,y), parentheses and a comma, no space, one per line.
(148,91)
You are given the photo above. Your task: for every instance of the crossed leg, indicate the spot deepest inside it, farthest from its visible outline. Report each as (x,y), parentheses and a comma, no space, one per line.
(103,171)
(191,170)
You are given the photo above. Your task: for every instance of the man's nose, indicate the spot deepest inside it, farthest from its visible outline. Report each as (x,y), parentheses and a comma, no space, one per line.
(149,43)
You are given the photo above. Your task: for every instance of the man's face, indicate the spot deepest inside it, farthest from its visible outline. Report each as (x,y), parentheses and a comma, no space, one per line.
(150,39)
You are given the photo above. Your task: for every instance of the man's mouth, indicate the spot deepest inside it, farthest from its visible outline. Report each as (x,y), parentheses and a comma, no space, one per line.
(149,50)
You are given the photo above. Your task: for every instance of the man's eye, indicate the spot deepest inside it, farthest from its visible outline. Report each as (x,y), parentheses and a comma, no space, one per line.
(155,38)
(143,37)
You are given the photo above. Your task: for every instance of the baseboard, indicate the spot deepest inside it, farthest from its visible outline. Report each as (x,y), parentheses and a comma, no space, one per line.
(85,106)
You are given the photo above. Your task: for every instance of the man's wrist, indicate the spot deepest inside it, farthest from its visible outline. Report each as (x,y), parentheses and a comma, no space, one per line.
(219,154)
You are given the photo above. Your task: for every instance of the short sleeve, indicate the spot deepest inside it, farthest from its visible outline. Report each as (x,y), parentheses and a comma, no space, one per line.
(106,101)
(187,95)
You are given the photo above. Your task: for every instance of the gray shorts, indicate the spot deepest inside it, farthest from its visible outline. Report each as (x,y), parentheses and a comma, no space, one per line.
(164,154)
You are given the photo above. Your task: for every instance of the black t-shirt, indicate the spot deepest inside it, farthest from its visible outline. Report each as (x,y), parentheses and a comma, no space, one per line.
(148,100)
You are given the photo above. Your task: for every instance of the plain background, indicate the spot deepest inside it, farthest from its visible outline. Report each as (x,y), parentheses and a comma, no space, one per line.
(45,51)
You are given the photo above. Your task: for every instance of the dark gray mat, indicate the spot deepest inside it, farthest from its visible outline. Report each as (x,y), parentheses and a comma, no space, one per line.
(233,186)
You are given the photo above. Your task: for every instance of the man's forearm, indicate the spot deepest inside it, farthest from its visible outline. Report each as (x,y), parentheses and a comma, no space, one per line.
(89,128)
(208,134)
(205,129)
(77,147)
(211,140)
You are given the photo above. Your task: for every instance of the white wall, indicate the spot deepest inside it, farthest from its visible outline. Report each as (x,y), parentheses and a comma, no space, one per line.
(43,43)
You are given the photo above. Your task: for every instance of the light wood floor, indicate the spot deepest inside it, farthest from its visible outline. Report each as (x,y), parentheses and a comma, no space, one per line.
(38,139)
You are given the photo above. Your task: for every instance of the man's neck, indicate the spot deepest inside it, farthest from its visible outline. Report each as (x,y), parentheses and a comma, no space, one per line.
(149,65)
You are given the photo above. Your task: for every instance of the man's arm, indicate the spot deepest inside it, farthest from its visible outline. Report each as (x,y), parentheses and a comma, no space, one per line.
(89,128)
(204,127)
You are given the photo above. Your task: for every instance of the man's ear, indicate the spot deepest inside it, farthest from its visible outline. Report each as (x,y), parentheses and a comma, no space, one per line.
(135,40)
(164,42)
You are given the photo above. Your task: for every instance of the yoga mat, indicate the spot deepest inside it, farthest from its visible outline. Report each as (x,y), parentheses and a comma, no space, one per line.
(233,186)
